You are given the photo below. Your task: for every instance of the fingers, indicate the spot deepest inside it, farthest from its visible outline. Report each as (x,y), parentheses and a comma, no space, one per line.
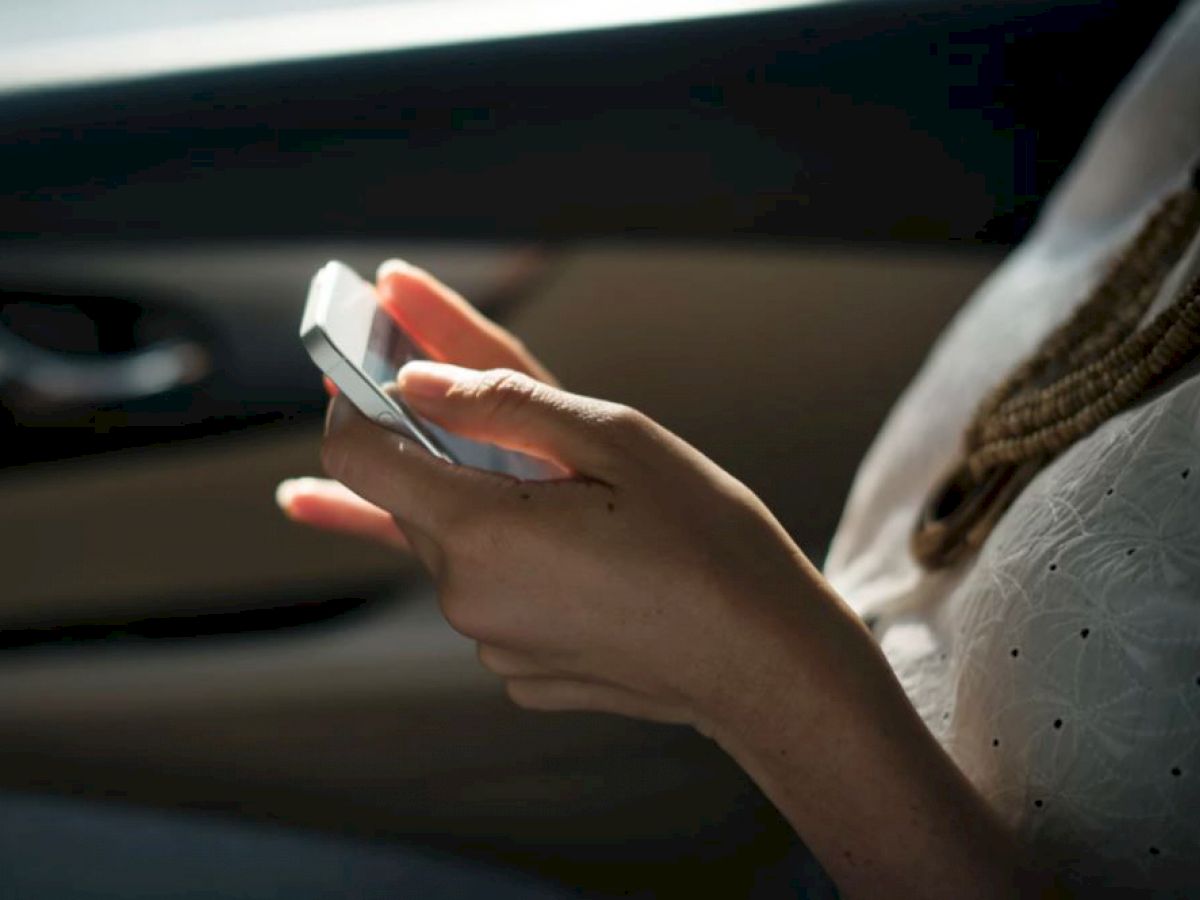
(396,474)
(512,410)
(448,326)
(327,504)
(533,684)
(564,694)
(511,663)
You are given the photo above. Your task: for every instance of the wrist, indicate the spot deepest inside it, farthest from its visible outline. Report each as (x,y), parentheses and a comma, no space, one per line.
(794,651)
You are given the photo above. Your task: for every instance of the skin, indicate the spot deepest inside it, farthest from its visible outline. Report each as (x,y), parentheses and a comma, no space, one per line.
(648,582)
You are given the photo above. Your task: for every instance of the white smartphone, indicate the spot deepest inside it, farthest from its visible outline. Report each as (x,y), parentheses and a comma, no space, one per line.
(361,348)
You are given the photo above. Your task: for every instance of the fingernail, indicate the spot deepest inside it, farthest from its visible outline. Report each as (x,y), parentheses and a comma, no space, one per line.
(394,267)
(423,379)
(285,491)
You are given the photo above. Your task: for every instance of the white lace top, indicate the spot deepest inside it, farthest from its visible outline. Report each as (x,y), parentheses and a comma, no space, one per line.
(1061,666)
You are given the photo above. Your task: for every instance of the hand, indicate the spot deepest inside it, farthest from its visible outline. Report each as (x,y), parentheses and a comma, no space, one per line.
(649,583)
(448,328)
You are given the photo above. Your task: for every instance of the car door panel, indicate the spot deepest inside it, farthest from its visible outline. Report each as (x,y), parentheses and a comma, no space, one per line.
(750,227)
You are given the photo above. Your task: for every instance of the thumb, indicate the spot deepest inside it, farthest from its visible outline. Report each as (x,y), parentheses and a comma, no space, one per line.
(512,410)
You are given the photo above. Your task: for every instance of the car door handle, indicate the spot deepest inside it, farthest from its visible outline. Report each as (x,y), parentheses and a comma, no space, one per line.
(55,379)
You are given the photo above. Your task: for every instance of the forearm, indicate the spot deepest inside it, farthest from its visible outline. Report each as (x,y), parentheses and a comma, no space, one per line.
(832,739)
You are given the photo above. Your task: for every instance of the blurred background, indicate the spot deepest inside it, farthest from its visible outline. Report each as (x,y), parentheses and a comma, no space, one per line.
(748,219)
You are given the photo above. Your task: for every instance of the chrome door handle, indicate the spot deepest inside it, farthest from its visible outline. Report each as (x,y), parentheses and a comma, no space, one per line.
(62,379)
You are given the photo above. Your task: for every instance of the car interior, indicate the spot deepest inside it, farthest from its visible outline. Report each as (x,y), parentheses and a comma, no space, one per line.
(748,220)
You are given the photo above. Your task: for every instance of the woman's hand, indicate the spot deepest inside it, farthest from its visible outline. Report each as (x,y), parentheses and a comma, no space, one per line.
(645,554)
(649,582)
(449,329)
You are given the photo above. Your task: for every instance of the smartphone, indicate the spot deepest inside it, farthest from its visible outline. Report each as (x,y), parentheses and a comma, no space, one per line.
(360,347)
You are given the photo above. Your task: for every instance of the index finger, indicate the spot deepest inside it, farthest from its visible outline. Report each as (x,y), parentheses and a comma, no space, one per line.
(447,326)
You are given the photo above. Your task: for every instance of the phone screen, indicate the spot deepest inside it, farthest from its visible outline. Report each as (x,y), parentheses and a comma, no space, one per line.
(388,349)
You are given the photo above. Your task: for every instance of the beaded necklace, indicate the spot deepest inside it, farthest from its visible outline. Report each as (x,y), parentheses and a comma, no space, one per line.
(1097,363)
